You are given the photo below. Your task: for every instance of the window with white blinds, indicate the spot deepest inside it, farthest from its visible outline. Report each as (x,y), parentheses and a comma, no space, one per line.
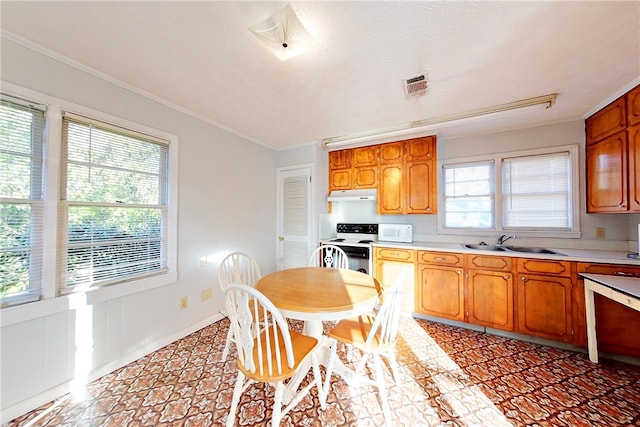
(21,201)
(530,191)
(469,195)
(114,196)
(536,191)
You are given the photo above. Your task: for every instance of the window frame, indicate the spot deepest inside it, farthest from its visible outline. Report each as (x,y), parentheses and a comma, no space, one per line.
(498,158)
(53,244)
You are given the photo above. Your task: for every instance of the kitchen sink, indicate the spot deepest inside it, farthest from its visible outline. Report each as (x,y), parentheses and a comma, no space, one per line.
(532,250)
(502,248)
(485,247)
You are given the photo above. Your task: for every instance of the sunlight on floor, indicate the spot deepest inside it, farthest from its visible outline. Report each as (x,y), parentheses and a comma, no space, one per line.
(466,402)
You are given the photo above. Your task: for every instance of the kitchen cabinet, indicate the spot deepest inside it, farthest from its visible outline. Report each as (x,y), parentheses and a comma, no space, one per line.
(612,136)
(440,287)
(340,170)
(607,176)
(365,167)
(489,293)
(544,294)
(634,166)
(408,177)
(617,326)
(611,119)
(388,263)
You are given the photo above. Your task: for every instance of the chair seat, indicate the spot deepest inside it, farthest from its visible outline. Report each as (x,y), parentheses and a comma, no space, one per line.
(355,331)
(302,345)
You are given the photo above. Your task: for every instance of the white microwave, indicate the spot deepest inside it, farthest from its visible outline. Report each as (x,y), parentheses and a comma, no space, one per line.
(395,233)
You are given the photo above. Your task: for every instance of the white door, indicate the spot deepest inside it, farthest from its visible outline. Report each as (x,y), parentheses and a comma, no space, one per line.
(294,216)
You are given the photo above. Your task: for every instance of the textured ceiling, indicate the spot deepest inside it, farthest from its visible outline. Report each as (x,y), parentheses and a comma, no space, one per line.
(200,57)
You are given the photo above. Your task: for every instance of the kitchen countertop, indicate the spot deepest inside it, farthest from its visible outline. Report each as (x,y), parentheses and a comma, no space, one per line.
(581,255)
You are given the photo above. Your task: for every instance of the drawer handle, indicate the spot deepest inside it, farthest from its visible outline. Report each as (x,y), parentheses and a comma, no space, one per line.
(440,258)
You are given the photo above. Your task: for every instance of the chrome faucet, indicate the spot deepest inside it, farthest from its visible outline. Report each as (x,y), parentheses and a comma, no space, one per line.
(504,238)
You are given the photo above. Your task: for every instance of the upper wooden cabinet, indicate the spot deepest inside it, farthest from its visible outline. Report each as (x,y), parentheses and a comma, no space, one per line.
(606,122)
(633,106)
(613,136)
(403,172)
(408,177)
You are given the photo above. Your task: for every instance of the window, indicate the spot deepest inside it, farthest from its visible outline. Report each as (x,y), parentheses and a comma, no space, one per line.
(84,202)
(21,201)
(469,195)
(114,195)
(533,191)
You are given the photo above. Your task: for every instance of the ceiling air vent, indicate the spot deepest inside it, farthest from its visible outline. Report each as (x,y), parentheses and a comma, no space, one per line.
(415,86)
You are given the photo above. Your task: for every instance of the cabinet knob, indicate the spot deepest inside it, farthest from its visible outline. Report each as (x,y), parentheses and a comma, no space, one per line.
(459,272)
(506,277)
(524,279)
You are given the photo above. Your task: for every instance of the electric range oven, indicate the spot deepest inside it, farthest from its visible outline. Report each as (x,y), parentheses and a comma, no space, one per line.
(356,240)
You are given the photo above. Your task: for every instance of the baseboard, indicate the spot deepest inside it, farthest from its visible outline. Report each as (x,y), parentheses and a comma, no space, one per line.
(27,405)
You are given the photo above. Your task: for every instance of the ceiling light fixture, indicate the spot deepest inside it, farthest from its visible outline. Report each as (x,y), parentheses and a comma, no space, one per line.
(539,102)
(283,34)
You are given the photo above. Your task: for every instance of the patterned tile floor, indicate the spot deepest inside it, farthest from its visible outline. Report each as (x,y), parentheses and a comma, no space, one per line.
(450,377)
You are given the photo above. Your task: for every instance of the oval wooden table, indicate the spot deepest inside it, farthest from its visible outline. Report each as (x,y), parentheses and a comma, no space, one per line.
(317,294)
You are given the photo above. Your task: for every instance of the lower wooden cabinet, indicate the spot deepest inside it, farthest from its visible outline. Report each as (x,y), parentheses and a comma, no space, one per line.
(389,262)
(544,307)
(490,299)
(440,289)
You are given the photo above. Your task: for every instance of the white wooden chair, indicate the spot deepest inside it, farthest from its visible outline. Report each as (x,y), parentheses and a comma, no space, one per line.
(374,334)
(329,256)
(237,267)
(268,351)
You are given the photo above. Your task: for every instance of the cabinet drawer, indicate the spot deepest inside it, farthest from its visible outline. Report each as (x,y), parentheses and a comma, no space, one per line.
(489,262)
(543,266)
(396,254)
(441,258)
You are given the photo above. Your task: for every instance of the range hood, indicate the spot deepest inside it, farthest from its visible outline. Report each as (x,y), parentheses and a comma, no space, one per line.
(352,195)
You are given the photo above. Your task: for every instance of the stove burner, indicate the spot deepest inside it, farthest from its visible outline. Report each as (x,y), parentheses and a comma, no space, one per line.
(337,240)
(365,241)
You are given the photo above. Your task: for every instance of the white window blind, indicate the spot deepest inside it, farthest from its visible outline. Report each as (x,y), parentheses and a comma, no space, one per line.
(536,191)
(21,201)
(114,197)
(469,195)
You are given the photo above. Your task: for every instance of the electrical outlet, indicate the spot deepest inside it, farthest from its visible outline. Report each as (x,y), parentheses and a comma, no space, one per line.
(184,302)
(206,294)
(203,260)
(600,233)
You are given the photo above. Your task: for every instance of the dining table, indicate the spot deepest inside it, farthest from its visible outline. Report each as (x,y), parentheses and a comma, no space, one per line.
(319,294)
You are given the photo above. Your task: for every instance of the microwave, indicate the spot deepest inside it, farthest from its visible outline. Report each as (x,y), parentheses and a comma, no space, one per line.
(395,233)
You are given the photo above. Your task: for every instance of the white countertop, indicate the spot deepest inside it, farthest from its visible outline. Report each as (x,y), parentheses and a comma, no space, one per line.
(581,255)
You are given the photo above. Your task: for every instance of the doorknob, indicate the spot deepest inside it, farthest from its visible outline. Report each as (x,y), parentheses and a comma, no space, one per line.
(281,238)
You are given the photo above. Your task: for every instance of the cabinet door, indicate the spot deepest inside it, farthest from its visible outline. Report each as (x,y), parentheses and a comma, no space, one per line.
(606,122)
(365,156)
(421,188)
(391,152)
(544,306)
(391,192)
(340,159)
(634,166)
(420,149)
(339,179)
(440,292)
(365,177)
(387,271)
(633,106)
(490,299)
(607,174)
